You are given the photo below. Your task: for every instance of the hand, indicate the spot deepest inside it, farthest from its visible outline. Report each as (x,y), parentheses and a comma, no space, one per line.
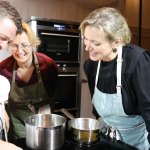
(6,118)
(8,146)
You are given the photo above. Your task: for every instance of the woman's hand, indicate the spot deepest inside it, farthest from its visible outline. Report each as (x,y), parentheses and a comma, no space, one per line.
(8,146)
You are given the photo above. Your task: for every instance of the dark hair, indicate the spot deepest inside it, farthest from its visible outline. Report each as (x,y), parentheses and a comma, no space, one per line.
(8,11)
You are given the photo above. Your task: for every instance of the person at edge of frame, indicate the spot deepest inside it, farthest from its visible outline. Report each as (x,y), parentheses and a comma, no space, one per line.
(10,26)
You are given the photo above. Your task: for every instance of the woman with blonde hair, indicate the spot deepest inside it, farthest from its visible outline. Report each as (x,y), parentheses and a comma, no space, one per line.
(32,77)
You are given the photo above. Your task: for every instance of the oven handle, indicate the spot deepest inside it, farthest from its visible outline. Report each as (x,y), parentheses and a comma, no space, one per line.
(53,34)
(67,75)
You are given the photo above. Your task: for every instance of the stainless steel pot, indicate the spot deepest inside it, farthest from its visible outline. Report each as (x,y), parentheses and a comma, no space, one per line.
(45,131)
(83,130)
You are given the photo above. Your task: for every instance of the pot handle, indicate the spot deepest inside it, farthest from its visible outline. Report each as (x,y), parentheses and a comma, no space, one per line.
(68,114)
(32,108)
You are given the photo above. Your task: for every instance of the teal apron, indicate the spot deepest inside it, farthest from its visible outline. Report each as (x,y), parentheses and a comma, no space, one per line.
(19,99)
(109,106)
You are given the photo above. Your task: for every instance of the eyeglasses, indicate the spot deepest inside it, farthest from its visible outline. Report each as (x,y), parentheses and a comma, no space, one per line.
(15,47)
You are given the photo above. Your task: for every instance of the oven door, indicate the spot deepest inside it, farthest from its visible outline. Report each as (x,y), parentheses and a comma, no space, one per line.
(59,46)
(66,92)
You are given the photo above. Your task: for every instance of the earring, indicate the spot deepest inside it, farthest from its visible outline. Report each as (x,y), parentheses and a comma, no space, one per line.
(114,50)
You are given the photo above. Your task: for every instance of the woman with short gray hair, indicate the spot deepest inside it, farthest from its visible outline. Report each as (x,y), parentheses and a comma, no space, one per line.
(117,74)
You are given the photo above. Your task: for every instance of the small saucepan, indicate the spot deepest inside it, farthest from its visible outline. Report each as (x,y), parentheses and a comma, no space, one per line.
(83,130)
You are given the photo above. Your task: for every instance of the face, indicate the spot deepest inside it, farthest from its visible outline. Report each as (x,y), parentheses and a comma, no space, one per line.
(7,32)
(21,48)
(96,44)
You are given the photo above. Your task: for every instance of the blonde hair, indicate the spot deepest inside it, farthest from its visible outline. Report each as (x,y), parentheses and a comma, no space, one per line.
(110,21)
(34,41)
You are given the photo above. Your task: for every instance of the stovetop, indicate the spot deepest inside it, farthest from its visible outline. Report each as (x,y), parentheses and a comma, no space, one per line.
(100,145)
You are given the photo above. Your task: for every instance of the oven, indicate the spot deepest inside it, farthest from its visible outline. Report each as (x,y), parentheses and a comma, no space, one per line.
(60,40)
(66,93)
(60,46)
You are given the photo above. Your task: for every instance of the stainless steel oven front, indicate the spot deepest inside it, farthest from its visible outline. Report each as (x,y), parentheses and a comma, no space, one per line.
(67,92)
(60,40)
(60,47)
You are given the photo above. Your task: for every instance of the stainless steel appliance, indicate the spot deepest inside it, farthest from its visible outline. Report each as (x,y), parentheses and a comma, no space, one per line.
(60,40)
(67,93)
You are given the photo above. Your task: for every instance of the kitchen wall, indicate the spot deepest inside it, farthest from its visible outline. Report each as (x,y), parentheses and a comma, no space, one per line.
(71,10)
(54,9)
(132,15)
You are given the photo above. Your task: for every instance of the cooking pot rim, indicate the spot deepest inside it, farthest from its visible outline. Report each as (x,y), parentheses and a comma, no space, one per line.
(70,123)
(90,130)
(45,127)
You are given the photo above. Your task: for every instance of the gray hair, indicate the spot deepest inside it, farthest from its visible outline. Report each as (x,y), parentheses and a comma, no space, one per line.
(110,21)
(8,11)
